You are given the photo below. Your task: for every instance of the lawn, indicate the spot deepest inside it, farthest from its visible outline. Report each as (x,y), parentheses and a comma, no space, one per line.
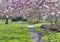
(50,36)
(14,32)
(18,32)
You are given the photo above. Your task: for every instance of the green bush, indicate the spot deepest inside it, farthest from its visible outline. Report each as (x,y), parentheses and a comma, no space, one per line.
(24,19)
(35,21)
(17,18)
(40,21)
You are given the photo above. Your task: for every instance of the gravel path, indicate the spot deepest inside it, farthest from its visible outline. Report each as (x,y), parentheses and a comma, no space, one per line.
(34,35)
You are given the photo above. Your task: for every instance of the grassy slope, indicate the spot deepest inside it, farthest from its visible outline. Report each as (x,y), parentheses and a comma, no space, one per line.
(55,37)
(14,32)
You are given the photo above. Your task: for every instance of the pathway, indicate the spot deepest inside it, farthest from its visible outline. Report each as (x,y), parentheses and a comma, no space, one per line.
(34,34)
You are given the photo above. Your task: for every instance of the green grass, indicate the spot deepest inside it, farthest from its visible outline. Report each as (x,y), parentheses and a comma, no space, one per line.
(53,36)
(18,32)
(14,32)
(37,26)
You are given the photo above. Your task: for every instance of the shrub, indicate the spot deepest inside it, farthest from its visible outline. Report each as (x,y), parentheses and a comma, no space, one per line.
(24,19)
(34,21)
(17,18)
(40,21)
(14,19)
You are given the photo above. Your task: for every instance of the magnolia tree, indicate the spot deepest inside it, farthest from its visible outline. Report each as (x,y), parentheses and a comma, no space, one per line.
(29,8)
(54,11)
(33,9)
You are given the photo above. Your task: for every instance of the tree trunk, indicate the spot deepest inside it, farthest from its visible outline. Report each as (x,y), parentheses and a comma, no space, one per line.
(6,21)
